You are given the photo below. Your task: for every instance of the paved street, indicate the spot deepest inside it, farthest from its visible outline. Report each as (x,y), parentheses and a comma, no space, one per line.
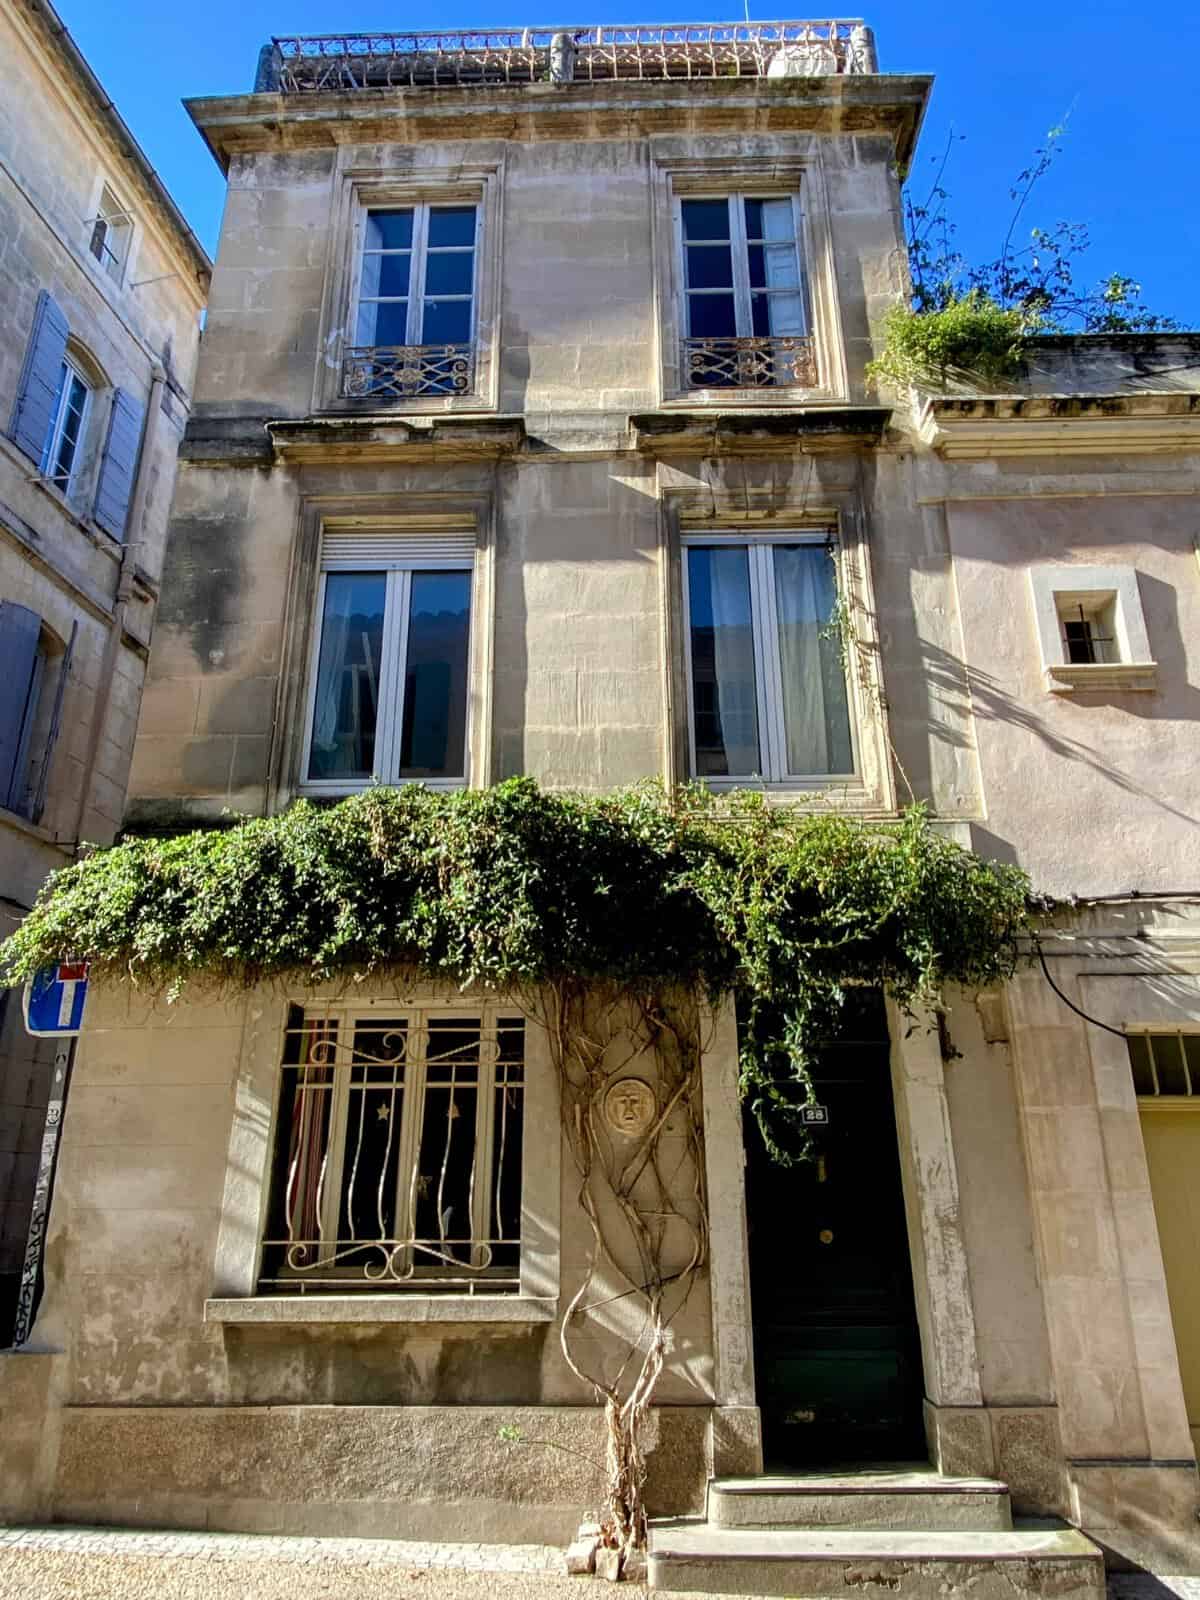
(110,1564)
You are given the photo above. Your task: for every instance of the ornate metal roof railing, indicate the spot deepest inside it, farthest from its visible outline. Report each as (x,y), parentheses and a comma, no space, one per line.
(755,363)
(332,62)
(407,371)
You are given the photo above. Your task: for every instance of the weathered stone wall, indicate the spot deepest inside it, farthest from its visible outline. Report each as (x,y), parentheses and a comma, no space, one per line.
(54,558)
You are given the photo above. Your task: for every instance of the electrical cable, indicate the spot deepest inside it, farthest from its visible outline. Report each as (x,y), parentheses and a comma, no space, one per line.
(1067,1001)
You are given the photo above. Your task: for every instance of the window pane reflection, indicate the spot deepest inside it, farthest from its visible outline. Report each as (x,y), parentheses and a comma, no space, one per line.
(433,743)
(347,695)
(724,704)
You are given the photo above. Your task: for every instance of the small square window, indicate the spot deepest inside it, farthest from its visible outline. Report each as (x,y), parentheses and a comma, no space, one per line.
(112,229)
(1091,629)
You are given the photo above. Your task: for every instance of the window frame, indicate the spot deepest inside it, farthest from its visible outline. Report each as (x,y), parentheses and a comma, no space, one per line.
(715,177)
(348,1019)
(418,253)
(116,218)
(71,373)
(376,188)
(743,291)
(1113,589)
(772,735)
(393,657)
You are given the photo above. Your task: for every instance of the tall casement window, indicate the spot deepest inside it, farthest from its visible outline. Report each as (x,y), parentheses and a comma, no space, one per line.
(67,424)
(389,676)
(110,235)
(398,1153)
(414,312)
(745,313)
(768,696)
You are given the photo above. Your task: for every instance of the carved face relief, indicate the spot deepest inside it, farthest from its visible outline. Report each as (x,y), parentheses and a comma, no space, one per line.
(630,1107)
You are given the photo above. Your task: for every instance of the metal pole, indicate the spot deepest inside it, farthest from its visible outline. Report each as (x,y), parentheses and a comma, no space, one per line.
(30,1292)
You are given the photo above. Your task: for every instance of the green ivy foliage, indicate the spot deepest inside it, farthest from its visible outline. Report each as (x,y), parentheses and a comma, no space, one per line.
(514,886)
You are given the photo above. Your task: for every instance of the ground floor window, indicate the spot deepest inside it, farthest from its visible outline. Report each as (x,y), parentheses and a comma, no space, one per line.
(398,1152)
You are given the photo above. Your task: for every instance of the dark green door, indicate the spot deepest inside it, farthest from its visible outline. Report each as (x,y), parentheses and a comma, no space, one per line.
(836,1351)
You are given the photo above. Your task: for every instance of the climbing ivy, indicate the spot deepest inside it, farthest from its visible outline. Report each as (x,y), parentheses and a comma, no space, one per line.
(514,887)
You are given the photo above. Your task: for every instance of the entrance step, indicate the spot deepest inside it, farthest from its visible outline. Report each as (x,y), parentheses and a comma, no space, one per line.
(918,1500)
(699,1559)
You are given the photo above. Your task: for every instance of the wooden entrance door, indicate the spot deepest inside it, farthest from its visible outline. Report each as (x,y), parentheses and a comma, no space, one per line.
(836,1349)
(1171,1132)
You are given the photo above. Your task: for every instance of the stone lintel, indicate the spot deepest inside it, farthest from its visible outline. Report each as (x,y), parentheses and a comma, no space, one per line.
(707,433)
(977,427)
(887,104)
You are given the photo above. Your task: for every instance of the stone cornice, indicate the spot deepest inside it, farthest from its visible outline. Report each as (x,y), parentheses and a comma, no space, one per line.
(892,105)
(980,426)
(725,433)
(380,439)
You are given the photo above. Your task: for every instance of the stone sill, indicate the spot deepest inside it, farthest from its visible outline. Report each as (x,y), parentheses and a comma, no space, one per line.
(296,1310)
(1138,676)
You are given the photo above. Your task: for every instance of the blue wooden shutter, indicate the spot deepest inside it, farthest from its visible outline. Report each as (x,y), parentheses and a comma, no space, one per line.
(39,381)
(20,630)
(119,467)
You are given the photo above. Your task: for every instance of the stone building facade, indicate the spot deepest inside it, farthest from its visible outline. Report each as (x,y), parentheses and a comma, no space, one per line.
(101,288)
(530,428)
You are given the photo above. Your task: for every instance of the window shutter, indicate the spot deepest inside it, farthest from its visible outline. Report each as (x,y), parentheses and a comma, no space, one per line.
(39,380)
(39,799)
(20,630)
(119,466)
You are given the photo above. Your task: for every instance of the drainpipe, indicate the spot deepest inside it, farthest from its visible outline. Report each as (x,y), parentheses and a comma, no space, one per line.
(124,590)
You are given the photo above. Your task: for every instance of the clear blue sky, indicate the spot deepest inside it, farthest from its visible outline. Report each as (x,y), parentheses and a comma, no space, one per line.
(1006,72)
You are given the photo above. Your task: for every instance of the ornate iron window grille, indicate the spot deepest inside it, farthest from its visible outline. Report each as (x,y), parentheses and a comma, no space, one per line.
(398,1156)
(407,371)
(753,363)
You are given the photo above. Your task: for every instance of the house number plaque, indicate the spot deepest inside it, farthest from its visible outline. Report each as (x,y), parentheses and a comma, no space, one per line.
(630,1107)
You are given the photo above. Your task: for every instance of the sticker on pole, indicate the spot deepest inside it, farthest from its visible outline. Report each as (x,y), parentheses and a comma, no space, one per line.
(54,999)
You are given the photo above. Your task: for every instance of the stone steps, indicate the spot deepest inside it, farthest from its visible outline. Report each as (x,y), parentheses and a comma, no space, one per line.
(882,1500)
(694,1557)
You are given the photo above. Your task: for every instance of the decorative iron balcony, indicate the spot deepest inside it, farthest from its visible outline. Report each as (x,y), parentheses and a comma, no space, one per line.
(347,61)
(760,363)
(407,371)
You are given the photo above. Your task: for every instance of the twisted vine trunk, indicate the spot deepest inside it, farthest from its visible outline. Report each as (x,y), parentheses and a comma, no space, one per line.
(649,1228)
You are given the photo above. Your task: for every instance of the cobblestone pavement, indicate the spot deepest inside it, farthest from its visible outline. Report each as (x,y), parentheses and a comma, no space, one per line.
(116,1564)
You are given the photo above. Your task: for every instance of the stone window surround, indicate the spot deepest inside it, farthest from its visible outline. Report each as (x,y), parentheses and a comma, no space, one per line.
(424,512)
(116,284)
(246,1195)
(1136,668)
(674,178)
(355,190)
(693,513)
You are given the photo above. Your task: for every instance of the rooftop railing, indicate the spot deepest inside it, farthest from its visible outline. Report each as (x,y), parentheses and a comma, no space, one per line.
(349,61)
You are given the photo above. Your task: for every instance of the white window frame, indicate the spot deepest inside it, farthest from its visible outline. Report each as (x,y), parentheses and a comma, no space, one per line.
(742,295)
(58,424)
(412,1126)
(1095,588)
(119,224)
(389,727)
(772,733)
(419,257)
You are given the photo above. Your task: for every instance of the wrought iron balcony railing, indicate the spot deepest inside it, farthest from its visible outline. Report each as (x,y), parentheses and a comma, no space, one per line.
(347,61)
(760,363)
(407,371)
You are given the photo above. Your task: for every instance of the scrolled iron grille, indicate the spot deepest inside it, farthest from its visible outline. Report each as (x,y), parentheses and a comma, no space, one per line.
(752,363)
(309,64)
(406,372)
(402,1154)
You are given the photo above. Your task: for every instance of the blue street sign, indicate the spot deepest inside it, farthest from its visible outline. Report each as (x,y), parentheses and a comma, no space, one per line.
(54,999)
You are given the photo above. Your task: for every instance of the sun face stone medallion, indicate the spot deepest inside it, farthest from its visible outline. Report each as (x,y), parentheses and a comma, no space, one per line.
(630,1106)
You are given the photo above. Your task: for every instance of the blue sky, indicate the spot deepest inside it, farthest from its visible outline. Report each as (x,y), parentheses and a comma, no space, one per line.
(1006,73)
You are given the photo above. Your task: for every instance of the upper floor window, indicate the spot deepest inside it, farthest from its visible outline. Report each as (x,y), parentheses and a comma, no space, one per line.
(388,693)
(112,230)
(1091,629)
(767,684)
(745,303)
(68,421)
(414,313)
(398,1152)
(55,424)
